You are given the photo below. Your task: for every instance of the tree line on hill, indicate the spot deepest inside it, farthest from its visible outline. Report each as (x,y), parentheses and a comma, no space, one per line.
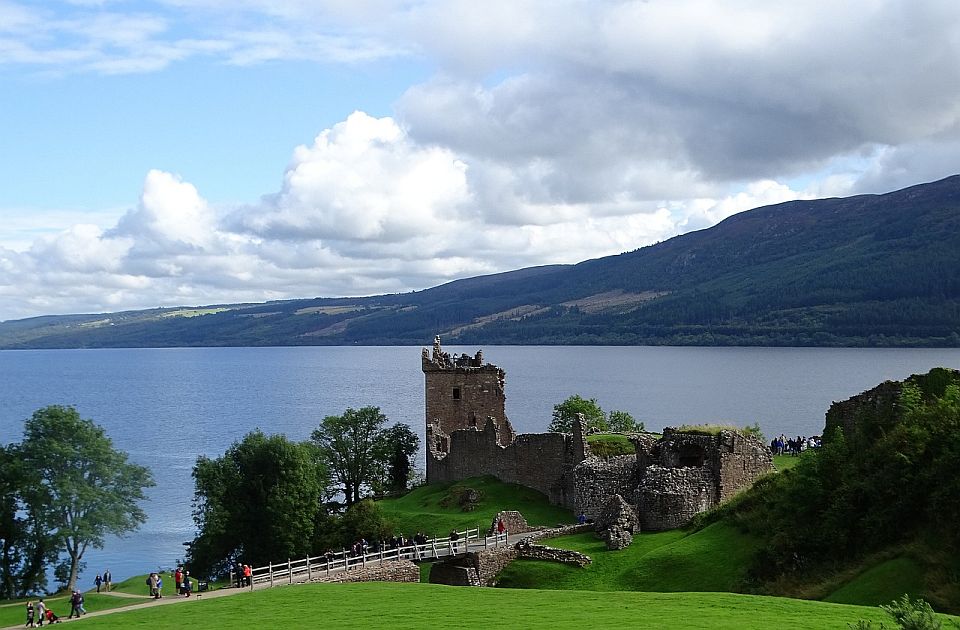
(889,481)
(269,497)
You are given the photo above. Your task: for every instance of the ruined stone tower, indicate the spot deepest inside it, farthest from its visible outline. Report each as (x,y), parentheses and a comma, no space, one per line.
(461,393)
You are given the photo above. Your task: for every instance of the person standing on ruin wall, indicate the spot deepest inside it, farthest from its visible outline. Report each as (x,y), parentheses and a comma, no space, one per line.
(501,529)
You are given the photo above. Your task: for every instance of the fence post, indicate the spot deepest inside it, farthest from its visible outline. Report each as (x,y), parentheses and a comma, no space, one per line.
(309,569)
(289,572)
(270,566)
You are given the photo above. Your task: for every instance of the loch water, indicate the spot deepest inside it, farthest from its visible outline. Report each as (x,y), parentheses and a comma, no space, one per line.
(165,407)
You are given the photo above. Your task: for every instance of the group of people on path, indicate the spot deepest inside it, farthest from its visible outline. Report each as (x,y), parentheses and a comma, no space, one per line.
(243,574)
(39,612)
(104,580)
(793,446)
(182,585)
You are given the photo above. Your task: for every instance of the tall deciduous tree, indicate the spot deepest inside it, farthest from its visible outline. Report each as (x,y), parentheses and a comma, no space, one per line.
(350,444)
(623,422)
(257,503)
(79,488)
(362,454)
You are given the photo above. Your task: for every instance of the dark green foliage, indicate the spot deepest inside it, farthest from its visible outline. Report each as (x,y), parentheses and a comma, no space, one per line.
(257,503)
(594,419)
(362,455)
(26,547)
(871,270)
(623,422)
(891,480)
(912,615)
(364,520)
(75,488)
(397,446)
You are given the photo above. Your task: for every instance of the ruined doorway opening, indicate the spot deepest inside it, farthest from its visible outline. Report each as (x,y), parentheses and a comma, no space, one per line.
(690,456)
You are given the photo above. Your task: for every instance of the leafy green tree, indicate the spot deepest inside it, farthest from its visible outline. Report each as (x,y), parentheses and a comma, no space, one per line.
(79,487)
(397,446)
(25,549)
(363,519)
(257,503)
(566,412)
(350,444)
(623,422)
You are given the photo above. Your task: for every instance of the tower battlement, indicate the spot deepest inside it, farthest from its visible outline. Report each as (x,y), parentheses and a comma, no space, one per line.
(462,392)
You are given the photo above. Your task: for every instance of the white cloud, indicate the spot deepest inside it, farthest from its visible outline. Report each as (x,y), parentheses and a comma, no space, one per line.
(552,131)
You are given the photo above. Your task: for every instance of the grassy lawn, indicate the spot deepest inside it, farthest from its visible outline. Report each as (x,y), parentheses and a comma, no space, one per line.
(421,509)
(882,583)
(713,559)
(607,444)
(430,606)
(786,462)
(17,614)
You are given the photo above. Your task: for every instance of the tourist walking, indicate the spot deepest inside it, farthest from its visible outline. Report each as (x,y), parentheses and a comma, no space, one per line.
(74,605)
(30,623)
(106,580)
(98,581)
(41,612)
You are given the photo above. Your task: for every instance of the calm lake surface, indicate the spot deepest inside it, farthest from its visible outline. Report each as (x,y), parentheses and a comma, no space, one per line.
(167,406)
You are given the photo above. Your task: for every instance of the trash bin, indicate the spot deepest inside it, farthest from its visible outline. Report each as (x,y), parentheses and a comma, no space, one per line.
(202,586)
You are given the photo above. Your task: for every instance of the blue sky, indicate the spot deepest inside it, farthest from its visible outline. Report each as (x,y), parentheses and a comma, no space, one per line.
(189,152)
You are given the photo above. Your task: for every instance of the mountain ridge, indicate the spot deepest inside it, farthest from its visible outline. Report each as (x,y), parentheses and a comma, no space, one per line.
(866,270)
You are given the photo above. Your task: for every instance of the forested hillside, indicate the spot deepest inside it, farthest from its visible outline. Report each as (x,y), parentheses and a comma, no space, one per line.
(882,493)
(870,270)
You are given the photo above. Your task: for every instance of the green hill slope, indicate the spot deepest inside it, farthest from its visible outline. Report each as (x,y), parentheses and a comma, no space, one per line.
(884,481)
(378,605)
(870,270)
(713,559)
(435,509)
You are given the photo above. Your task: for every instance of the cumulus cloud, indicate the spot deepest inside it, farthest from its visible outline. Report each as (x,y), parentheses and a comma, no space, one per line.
(362,180)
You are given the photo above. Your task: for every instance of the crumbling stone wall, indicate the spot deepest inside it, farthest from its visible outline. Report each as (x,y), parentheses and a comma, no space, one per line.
(388,571)
(670,497)
(597,478)
(542,461)
(530,551)
(513,522)
(457,572)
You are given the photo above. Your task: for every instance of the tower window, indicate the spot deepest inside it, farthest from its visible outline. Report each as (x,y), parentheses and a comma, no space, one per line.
(456,393)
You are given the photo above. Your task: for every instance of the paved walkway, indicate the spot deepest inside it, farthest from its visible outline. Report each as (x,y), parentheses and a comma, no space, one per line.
(148,601)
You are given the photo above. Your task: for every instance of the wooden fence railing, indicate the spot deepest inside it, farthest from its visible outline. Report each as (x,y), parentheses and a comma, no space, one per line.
(309,568)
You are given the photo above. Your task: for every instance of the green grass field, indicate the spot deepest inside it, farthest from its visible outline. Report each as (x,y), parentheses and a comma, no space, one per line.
(712,559)
(609,444)
(882,583)
(431,606)
(421,509)
(16,614)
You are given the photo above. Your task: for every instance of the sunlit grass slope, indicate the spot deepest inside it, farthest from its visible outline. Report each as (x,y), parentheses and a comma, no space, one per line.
(381,605)
(16,614)
(712,559)
(422,508)
(882,583)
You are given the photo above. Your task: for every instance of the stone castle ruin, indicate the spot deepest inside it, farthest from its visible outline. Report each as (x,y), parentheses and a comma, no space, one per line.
(668,480)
